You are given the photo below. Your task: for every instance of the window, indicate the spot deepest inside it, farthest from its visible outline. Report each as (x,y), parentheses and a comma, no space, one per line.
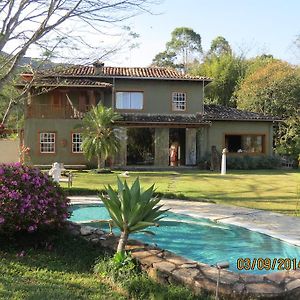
(47,142)
(76,143)
(178,101)
(129,100)
(245,143)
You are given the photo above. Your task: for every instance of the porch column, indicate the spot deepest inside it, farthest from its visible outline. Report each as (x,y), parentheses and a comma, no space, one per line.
(121,157)
(161,147)
(190,146)
(201,143)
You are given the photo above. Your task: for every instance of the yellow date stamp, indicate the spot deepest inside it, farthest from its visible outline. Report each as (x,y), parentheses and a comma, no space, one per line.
(279,264)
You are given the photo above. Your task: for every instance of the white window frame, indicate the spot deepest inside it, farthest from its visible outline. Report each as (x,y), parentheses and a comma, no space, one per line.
(129,94)
(76,144)
(47,142)
(178,101)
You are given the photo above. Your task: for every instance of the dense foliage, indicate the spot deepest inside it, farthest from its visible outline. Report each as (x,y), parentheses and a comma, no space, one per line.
(99,137)
(226,70)
(274,89)
(244,162)
(253,162)
(29,200)
(261,84)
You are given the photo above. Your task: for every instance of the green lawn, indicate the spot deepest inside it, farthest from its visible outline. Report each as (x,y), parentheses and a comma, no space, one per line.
(276,190)
(65,271)
(62,273)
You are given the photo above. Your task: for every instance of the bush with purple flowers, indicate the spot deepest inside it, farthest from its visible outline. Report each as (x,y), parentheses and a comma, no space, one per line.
(29,200)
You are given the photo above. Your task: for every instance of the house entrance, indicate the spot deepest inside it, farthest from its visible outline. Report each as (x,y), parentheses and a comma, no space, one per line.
(177,146)
(140,146)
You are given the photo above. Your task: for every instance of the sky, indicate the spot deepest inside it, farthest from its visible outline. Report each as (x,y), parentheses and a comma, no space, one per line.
(252,27)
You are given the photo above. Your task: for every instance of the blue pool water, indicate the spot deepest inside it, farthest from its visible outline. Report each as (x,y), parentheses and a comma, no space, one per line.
(202,240)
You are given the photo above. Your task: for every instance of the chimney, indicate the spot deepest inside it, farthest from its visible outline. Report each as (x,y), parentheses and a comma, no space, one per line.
(98,67)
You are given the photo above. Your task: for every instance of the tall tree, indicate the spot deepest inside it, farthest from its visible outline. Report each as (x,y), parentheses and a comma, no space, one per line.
(99,137)
(183,48)
(165,59)
(219,46)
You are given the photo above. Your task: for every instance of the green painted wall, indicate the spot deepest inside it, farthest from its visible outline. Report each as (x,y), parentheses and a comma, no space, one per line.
(215,134)
(158,94)
(63,129)
(157,99)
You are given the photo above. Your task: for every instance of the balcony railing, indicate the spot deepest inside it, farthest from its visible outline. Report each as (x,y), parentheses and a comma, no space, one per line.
(56,111)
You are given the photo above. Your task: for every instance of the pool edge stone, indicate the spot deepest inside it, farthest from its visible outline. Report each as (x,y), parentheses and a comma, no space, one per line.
(200,277)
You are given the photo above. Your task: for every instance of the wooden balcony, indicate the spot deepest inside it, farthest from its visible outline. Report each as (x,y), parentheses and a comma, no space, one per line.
(46,111)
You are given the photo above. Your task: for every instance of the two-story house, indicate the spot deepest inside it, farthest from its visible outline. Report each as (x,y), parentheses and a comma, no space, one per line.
(164,121)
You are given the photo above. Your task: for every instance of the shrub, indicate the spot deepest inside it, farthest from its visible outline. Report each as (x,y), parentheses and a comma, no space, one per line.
(252,162)
(29,200)
(120,268)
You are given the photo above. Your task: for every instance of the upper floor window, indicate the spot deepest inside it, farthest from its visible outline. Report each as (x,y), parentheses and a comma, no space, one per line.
(129,100)
(251,143)
(47,142)
(77,143)
(178,101)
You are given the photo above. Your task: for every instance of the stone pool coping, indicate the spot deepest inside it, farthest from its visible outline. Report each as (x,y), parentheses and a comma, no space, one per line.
(285,228)
(168,267)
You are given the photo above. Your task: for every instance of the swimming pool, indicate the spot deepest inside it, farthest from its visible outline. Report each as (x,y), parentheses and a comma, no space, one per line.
(201,239)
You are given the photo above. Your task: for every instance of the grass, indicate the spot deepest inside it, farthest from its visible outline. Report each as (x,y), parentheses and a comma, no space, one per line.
(276,190)
(61,268)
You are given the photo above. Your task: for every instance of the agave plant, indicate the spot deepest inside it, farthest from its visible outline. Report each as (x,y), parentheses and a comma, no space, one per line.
(132,210)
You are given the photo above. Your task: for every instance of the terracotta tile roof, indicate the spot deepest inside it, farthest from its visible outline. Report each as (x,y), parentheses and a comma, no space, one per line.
(219,113)
(68,82)
(188,119)
(125,72)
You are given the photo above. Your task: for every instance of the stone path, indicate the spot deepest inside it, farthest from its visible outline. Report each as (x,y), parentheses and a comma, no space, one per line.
(276,225)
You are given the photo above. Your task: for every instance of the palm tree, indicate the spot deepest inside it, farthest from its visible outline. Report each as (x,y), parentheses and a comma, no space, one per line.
(98,135)
(132,210)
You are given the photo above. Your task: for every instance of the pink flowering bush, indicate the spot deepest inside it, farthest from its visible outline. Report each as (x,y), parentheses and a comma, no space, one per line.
(29,200)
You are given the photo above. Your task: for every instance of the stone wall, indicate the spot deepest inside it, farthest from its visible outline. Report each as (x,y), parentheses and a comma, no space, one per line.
(166,267)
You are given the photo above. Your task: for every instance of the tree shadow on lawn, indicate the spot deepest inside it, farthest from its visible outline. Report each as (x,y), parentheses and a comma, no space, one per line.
(57,269)
(215,174)
(56,250)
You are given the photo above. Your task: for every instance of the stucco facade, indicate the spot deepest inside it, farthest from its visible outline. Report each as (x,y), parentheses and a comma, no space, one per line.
(168,103)
(214,135)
